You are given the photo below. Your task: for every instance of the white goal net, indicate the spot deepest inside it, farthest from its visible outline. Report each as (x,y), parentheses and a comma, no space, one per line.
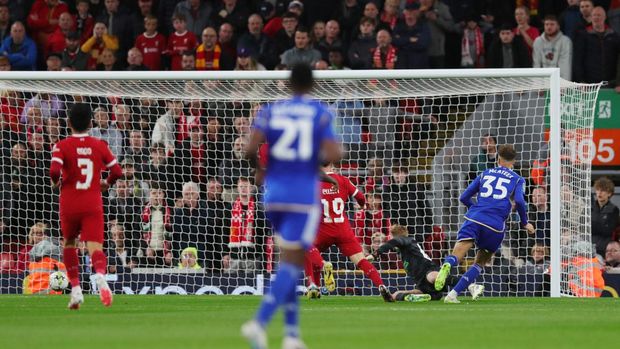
(187,219)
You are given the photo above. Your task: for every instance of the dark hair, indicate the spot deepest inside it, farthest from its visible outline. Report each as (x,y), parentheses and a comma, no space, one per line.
(302,29)
(289,14)
(507,152)
(80,116)
(505,26)
(301,78)
(368,20)
(189,53)
(551,18)
(179,16)
(489,135)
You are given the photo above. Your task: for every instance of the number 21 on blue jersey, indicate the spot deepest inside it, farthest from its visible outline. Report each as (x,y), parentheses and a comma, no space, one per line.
(299,130)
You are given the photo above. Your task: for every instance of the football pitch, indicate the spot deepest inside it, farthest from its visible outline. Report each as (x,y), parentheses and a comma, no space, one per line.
(212,322)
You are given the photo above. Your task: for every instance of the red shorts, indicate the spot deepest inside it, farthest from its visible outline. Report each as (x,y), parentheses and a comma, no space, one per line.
(87,225)
(346,242)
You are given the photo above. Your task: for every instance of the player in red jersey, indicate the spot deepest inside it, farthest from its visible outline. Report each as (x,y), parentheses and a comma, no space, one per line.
(335,229)
(80,160)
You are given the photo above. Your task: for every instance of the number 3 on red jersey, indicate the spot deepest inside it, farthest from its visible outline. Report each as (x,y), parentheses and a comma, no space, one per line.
(333,212)
(86,168)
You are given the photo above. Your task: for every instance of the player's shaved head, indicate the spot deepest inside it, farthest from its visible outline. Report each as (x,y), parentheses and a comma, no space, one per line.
(301,78)
(507,152)
(80,117)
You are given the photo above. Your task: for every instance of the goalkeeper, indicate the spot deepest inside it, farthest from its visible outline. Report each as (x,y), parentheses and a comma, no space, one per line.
(418,266)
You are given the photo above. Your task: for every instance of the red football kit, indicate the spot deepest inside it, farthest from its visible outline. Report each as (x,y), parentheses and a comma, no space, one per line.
(152,47)
(80,159)
(177,44)
(335,228)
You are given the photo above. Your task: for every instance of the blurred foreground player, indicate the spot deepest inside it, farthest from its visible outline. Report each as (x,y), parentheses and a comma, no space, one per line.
(300,135)
(80,159)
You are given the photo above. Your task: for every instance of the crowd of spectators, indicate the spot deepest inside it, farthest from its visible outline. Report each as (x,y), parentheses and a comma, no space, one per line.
(581,37)
(187,198)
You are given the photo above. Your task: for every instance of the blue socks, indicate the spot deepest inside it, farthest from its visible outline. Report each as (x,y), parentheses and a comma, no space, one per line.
(282,292)
(468,278)
(291,314)
(452,260)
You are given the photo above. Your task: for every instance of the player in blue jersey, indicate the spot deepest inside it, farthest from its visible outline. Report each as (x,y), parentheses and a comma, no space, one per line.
(300,135)
(485,220)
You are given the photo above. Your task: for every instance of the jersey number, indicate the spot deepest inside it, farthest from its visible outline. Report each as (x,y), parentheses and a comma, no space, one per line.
(337,207)
(86,167)
(300,130)
(500,185)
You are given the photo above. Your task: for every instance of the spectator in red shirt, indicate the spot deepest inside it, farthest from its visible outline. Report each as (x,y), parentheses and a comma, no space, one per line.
(180,41)
(56,42)
(371,220)
(151,44)
(84,21)
(523,29)
(209,53)
(43,19)
(272,22)
(11,108)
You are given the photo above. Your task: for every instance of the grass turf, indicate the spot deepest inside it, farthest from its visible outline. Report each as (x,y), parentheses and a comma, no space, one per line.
(213,322)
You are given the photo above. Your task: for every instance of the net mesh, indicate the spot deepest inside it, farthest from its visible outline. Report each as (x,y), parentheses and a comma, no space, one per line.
(413,145)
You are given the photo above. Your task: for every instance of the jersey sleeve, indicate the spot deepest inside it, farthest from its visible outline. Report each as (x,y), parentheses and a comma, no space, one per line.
(261,121)
(110,163)
(388,246)
(354,192)
(519,197)
(469,193)
(57,162)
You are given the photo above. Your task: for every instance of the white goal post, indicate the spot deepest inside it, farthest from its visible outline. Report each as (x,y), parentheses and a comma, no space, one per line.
(429,123)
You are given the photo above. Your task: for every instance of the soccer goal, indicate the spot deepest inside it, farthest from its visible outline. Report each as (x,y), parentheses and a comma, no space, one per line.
(187,219)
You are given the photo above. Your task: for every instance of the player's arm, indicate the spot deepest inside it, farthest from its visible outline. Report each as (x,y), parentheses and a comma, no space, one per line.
(357,194)
(257,137)
(469,193)
(331,150)
(521,205)
(387,247)
(324,177)
(112,165)
(56,166)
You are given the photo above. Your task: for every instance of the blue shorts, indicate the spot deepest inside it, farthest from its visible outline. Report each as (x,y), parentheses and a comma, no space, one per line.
(296,229)
(484,237)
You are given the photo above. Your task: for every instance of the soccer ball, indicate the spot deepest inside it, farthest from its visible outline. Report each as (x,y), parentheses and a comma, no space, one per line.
(58,281)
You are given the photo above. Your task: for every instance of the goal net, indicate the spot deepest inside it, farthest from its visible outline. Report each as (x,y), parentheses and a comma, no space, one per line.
(186,218)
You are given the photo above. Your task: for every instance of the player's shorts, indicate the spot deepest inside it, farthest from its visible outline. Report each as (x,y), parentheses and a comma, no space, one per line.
(87,225)
(295,228)
(346,242)
(423,285)
(484,237)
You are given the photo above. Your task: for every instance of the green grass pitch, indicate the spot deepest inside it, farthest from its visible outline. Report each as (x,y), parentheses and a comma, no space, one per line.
(212,322)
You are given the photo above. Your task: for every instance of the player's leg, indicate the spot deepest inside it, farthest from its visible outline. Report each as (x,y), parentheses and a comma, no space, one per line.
(488,242)
(414,296)
(92,233)
(323,242)
(350,247)
(297,232)
(466,237)
(313,273)
(71,230)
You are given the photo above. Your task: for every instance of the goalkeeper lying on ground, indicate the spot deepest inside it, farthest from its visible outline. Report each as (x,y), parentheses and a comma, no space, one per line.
(419,267)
